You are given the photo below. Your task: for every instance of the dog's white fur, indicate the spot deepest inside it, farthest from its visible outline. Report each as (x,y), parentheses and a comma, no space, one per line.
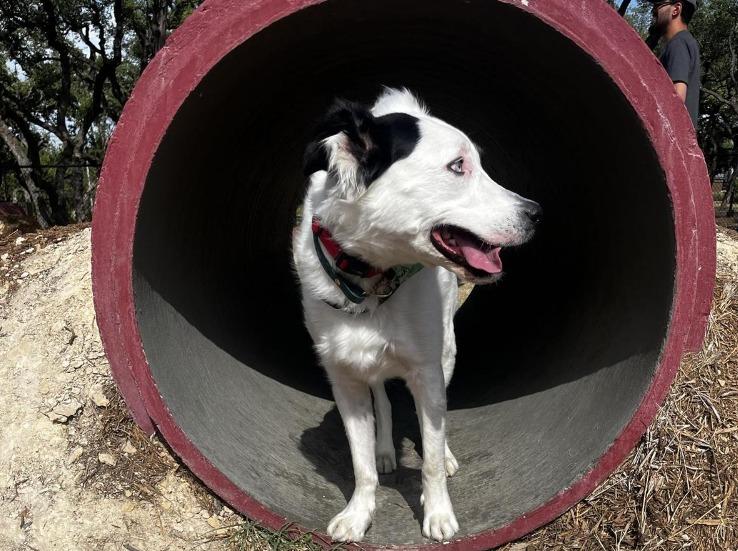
(411,336)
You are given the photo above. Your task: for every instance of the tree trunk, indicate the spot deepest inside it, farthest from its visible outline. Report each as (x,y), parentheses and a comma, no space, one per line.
(624,7)
(730,195)
(35,195)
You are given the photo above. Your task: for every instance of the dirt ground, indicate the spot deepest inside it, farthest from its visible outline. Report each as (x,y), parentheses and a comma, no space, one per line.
(76,474)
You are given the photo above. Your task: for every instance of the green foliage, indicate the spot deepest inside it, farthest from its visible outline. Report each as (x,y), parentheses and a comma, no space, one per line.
(716,28)
(67,68)
(639,16)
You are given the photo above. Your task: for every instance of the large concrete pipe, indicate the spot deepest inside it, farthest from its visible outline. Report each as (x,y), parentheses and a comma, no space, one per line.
(561,366)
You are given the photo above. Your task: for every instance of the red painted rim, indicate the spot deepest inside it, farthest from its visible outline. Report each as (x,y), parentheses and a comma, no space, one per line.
(218,27)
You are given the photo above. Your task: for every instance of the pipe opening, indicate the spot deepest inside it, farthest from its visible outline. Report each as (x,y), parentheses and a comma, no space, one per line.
(552,362)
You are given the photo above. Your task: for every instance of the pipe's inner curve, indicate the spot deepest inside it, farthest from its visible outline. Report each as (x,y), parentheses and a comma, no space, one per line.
(552,362)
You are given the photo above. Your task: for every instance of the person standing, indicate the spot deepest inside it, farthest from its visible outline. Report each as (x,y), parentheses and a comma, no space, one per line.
(681,55)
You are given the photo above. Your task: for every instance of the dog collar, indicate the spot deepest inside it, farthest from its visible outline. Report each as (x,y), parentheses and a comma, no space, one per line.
(345,263)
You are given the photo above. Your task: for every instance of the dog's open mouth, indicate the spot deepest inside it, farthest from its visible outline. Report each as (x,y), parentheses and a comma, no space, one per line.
(480,258)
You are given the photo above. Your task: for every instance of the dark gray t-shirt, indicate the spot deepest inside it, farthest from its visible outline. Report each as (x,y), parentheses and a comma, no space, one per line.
(681,59)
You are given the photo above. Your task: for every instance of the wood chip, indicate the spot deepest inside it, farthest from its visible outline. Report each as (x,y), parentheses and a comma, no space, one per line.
(706,521)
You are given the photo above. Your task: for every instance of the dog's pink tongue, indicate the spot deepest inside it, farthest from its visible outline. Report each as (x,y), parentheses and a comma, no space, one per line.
(489,261)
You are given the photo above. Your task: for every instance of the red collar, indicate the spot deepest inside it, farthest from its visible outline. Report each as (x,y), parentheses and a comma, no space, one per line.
(344,261)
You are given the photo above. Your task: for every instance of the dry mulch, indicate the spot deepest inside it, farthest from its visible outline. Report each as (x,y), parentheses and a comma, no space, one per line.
(679,488)
(139,472)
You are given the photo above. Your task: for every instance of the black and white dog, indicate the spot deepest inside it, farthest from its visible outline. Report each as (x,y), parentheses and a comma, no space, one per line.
(398,205)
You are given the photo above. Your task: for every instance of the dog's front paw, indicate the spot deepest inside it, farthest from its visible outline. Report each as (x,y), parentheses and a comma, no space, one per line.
(440,523)
(350,524)
(386,461)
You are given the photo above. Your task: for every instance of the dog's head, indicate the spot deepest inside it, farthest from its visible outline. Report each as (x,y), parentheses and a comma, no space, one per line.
(406,187)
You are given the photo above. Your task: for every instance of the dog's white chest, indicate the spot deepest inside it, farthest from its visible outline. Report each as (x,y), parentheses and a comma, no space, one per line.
(360,344)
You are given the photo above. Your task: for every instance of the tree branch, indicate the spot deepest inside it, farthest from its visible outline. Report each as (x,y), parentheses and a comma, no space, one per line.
(732,104)
(65,98)
(733,71)
(623,7)
(11,99)
(117,53)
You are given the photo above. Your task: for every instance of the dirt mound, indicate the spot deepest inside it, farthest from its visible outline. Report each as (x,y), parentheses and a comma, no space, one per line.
(75,473)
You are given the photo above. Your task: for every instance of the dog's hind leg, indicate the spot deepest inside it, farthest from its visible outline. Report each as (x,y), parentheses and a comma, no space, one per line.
(448,362)
(450,462)
(452,465)
(355,405)
(385,454)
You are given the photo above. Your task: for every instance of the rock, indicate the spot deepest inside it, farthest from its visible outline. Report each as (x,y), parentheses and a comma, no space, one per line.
(129,448)
(62,412)
(24,275)
(214,522)
(99,399)
(4,257)
(19,240)
(107,459)
(76,454)
(128,506)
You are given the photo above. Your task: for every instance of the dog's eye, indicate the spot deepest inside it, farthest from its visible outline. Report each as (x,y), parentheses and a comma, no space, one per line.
(457,166)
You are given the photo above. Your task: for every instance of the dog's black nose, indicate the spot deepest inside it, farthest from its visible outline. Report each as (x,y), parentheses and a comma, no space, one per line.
(533,211)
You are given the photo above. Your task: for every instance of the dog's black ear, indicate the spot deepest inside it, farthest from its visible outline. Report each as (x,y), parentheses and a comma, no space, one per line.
(355,121)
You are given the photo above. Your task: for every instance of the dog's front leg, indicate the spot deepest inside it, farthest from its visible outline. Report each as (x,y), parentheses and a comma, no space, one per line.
(429,392)
(354,403)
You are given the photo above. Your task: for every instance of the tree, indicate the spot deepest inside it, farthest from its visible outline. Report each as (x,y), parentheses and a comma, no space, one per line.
(66,70)
(716,29)
(715,26)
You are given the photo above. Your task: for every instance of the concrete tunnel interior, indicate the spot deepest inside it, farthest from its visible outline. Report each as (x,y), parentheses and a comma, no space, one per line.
(552,361)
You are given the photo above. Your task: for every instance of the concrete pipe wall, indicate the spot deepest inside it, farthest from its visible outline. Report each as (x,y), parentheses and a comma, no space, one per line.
(561,366)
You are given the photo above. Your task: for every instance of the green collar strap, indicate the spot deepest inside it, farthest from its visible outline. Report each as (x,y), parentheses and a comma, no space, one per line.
(386,286)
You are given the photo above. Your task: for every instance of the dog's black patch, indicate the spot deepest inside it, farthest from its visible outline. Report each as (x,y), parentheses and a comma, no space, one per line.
(376,142)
